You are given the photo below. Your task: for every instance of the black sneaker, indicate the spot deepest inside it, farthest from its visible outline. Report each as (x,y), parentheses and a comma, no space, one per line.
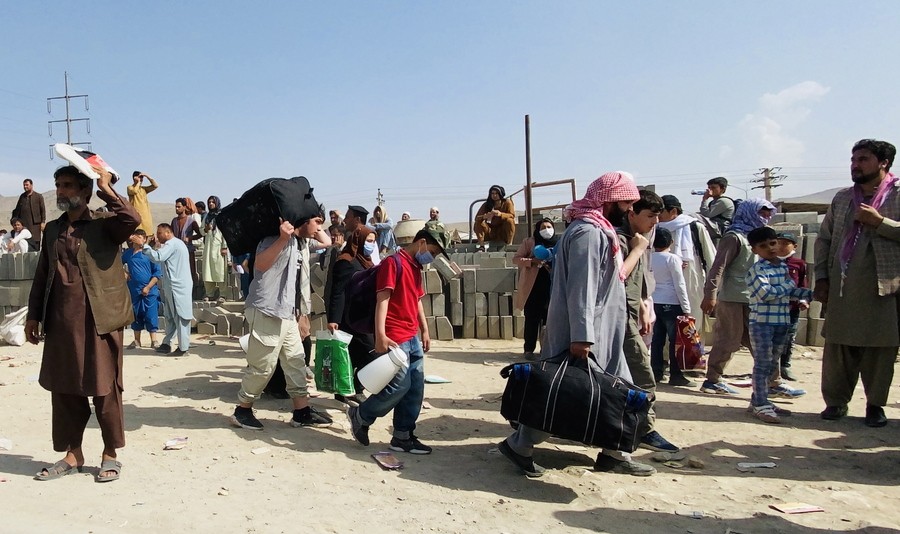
(179,353)
(244,418)
(310,417)
(360,431)
(654,441)
(680,380)
(787,374)
(608,464)
(525,463)
(165,348)
(411,445)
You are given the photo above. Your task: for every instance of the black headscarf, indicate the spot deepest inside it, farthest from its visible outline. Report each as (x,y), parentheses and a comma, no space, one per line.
(539,239)
(211,213)
(489,203)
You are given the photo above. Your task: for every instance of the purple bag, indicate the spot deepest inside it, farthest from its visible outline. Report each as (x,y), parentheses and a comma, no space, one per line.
(359,310)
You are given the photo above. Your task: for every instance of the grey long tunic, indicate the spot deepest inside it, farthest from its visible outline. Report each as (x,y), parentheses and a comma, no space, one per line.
(587,299)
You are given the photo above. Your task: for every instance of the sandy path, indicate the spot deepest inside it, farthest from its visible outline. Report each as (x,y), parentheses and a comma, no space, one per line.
(320,480)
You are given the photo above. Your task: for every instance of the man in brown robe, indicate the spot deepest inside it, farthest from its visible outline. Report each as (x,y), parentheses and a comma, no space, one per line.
(80,296)
(858,276)
(30,208)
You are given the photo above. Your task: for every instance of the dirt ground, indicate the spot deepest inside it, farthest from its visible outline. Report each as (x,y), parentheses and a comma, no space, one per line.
(320,480)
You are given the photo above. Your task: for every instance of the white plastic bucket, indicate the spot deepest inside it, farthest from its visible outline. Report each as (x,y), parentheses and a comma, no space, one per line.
(375,376)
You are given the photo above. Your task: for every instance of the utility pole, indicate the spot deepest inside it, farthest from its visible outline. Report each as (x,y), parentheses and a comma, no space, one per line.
(528,214)
(768,178)
(68,120)
(379,198)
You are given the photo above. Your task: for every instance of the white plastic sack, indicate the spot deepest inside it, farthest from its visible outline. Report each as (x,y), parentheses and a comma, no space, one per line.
(12,329)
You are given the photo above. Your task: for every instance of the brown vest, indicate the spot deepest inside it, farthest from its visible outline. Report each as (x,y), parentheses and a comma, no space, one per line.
(100,262)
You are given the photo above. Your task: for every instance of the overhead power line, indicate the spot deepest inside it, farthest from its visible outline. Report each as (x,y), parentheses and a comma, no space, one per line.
(68,120)
(769,179)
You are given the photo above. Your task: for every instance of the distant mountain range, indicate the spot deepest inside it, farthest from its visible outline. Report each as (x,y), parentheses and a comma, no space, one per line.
(161,211)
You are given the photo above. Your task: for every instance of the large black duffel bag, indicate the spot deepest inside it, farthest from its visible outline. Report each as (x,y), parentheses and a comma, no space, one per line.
(573,398)
(256,214)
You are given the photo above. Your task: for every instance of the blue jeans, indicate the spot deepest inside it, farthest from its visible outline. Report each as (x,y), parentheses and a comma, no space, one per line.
(403,394)
(792,336)
(664,327)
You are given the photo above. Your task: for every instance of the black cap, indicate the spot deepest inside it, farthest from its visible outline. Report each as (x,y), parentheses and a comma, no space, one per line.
(359,210)
(787,236)
(671,201)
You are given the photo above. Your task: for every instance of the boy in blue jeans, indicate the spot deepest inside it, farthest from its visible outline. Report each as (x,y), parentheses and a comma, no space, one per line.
(399,317)
(771,291)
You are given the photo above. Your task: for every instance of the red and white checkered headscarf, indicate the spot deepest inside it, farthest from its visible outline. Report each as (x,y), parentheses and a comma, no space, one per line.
(616,186)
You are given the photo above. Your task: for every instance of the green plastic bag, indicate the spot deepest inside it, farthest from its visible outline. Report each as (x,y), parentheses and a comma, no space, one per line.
(334,372)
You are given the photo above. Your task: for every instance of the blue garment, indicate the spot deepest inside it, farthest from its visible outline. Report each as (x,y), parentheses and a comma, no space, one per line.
(747,216)
(146,307)
(176,283)
(771,291)
(403,394)
(768,342)
(666,326)
(384,235)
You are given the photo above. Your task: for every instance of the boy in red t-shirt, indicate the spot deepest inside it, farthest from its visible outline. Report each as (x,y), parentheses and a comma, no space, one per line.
(399,316)
(787,245)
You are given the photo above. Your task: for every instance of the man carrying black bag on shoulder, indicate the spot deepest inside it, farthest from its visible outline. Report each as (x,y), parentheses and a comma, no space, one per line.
(587,312)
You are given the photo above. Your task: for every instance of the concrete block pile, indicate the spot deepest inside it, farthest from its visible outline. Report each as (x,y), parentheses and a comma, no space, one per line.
(481,300)
(210,318)
(16,276)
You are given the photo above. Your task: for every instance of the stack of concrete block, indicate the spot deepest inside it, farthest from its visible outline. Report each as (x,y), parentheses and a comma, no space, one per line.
(487,302)
(226,319)
(16,275)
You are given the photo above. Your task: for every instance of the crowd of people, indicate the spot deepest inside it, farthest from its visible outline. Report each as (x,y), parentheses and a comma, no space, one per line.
(607,283)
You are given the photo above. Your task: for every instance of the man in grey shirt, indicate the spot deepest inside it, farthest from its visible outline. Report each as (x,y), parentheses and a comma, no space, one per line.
(715,206)
(274,334)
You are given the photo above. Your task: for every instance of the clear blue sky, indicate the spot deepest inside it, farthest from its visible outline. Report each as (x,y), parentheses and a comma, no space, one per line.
(426,100)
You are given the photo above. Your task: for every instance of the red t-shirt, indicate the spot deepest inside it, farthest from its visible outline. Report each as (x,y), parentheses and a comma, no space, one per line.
(402,323)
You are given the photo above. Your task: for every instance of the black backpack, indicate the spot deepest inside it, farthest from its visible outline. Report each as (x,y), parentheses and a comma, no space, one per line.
(256,214)
(359,303)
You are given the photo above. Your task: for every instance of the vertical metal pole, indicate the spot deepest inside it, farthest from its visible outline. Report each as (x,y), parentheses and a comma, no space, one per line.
(68,122)
(767,185)
(528,214)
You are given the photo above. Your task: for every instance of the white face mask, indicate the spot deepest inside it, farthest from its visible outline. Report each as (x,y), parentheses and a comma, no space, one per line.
(546,233)
(782,258)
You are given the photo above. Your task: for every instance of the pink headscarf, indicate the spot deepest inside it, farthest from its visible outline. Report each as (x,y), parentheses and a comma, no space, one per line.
(851,235)
(616,186)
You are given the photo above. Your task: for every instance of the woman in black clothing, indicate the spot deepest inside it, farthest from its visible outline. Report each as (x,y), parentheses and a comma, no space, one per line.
(356,256)
(533,295)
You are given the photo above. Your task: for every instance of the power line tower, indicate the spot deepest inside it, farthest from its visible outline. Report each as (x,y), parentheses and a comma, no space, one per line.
(769,177)
(68,120)
(379,198)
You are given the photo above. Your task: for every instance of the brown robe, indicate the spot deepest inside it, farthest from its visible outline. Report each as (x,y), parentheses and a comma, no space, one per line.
(31,209)
(83,350)
(501,229)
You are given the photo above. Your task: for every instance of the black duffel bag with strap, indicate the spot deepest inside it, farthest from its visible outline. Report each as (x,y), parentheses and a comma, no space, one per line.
(259,211)
(574,398)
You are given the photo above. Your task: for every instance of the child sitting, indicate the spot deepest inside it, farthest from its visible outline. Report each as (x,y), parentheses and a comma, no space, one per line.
(771,291)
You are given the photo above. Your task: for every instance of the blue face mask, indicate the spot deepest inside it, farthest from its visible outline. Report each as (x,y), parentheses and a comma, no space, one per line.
(369,248)
(424,258)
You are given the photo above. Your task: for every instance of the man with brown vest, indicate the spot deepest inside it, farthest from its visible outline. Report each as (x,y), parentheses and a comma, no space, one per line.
(30,208)
(80,296)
